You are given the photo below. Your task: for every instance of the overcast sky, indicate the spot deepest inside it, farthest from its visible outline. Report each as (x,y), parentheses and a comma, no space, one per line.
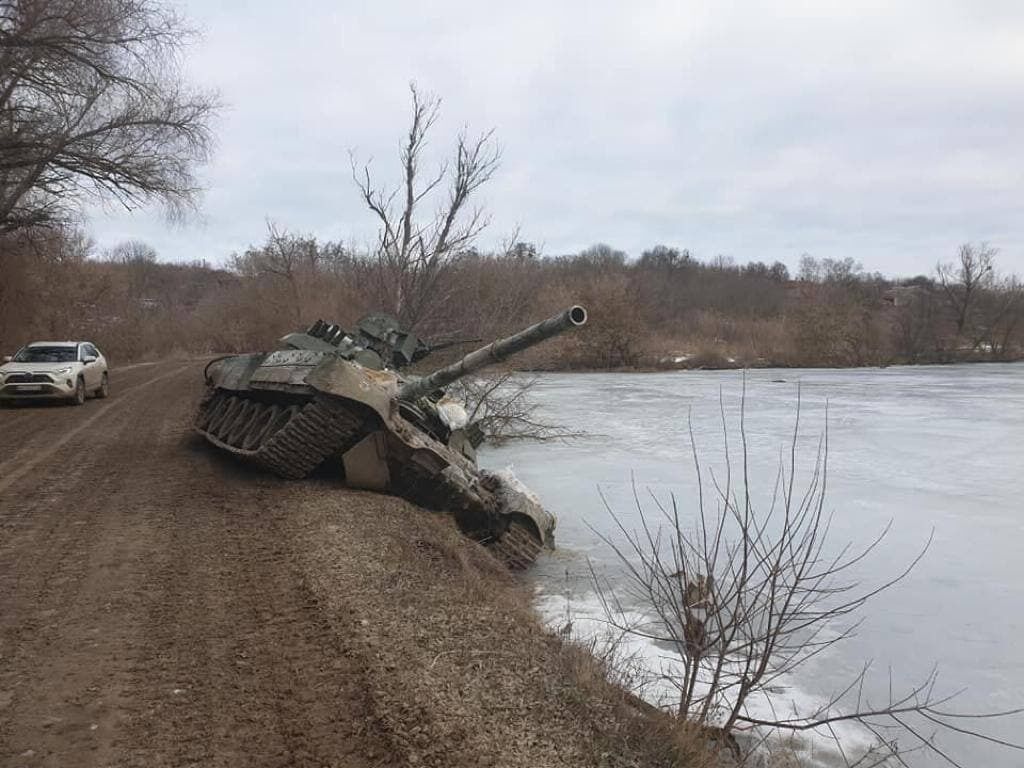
(889,132)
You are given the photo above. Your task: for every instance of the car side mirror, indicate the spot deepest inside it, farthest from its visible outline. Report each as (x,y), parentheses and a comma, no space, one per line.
(89,359)
(7,358)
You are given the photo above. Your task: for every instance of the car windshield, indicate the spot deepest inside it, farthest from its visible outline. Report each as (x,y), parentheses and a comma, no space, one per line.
(47,355)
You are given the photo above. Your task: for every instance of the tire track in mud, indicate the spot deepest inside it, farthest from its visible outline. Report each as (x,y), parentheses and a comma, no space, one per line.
(255,675)
(63,555)
(153,611)
(23,427)
(14,469)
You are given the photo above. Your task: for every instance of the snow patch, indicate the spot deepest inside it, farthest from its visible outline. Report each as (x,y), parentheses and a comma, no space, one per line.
(651,669)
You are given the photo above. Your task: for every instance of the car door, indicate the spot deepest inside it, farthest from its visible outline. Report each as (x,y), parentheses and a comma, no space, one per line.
(101,364)
(101,361)
(89,370)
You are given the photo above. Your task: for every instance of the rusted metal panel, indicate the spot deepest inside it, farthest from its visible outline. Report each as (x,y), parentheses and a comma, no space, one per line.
(353,382)
(366,463)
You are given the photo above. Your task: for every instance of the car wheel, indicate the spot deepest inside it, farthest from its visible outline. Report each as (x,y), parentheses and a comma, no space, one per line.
(79,392)
(104,388)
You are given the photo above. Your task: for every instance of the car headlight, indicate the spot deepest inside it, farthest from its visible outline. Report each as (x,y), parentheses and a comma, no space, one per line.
(62,371)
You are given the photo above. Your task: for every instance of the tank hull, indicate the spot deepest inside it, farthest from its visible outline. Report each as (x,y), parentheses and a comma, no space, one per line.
(292,410)
(325,395)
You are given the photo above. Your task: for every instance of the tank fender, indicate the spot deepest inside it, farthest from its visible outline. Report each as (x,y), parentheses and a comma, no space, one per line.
(285,368)
(516,503)
(232,372)
(352,381)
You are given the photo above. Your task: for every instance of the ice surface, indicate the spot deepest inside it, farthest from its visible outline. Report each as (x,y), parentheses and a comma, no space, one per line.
(925,447)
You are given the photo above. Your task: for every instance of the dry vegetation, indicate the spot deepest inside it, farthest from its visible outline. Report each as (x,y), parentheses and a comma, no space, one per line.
(662,310)
(94,106)
(463,672)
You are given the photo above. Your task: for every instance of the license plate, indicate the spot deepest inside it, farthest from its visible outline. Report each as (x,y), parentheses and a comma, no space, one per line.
(30,388)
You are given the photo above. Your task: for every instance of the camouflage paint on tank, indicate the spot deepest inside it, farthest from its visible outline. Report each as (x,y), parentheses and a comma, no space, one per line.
(326,394)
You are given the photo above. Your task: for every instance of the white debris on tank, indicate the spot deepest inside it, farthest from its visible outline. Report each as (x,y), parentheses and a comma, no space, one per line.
(509,479)
(452,413)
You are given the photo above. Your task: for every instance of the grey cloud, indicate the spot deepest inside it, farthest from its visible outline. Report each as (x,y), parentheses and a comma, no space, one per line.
(840,129)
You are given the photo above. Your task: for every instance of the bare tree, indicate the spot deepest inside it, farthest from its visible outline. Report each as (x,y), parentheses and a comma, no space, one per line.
(501,406)
(132,251)
(1000,319)
(92,107)
(915,323)
(293,259)
(810,270)
(962,281)
(415,252)
(748,596)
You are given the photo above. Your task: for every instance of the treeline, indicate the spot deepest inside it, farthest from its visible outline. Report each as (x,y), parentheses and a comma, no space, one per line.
(95,106)
(662,309)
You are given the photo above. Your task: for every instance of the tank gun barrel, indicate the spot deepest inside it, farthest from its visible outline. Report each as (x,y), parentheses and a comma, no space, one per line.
(495,352)
(450,343)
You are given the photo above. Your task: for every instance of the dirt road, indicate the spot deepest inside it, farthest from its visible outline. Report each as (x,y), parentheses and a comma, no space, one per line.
(161,605)
(149,613)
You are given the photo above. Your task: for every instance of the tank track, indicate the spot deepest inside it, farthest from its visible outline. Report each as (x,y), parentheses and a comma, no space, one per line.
(513,544)
(517,547)
(290,440)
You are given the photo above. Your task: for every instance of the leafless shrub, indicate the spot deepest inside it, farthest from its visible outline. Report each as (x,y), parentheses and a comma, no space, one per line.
(500,403)
(748,596)
(962,281)
(1000,317)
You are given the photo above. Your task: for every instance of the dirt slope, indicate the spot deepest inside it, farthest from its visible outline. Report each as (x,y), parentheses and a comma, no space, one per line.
(161,605)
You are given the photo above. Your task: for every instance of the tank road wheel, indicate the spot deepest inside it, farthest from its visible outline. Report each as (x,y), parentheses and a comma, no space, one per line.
(221,411)
(210,406)
(242,423)
(223,424)
(261,424)
(518,547)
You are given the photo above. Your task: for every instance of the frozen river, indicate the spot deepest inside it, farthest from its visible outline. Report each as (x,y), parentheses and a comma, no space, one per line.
(927,447)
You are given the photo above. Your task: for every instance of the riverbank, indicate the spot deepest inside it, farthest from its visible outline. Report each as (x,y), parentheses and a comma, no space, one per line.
(721,362)
(163,605)
(912,449)
(464,672)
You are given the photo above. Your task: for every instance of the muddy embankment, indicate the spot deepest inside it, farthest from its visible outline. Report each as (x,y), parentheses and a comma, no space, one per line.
(162,605)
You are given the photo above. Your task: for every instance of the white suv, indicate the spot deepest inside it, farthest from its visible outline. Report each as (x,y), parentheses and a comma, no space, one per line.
(68,370)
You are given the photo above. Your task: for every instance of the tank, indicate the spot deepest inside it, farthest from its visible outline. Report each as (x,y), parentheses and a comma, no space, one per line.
(326,396)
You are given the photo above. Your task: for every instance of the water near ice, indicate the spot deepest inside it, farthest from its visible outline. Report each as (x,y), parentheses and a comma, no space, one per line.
(927,447)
